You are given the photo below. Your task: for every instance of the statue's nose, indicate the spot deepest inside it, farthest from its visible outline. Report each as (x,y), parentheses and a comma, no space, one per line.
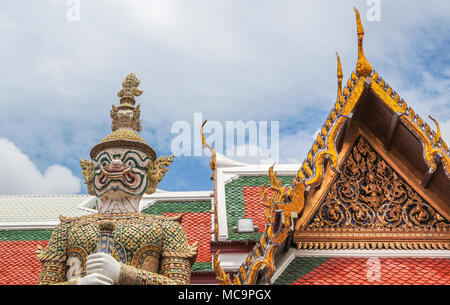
(116,163)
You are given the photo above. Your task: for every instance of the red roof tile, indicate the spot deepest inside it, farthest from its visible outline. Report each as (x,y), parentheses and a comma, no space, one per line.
(391,271)
(19,264)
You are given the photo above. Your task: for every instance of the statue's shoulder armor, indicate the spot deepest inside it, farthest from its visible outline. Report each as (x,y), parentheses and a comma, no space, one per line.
(67,219)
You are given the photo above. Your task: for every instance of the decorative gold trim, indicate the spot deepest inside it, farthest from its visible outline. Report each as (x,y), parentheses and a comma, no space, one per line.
(373,245)
(415,238)
(87,170)
(324,147)
(119,141)
(432,142)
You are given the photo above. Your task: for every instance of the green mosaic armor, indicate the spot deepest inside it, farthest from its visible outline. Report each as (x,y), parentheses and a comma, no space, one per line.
(152,249)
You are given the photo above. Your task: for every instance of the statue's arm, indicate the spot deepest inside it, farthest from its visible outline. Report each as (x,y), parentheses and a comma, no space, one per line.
(174,271)
(175,264)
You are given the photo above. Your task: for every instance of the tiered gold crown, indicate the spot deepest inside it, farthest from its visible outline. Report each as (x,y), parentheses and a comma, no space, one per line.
(125,121)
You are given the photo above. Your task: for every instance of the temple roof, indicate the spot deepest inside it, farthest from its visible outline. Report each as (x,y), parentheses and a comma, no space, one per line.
(29,210)
(367,107)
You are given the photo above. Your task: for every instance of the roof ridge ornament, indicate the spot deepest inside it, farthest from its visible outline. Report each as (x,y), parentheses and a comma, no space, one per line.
(363,67)
(437,137)
(340,75)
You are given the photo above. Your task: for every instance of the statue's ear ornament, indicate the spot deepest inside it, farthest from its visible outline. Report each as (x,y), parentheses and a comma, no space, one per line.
(87,168)
(156,171)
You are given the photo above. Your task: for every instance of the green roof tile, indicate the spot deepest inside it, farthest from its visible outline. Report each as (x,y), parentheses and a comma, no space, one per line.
(161,207)
(299,267)
(201,266)
(25,235)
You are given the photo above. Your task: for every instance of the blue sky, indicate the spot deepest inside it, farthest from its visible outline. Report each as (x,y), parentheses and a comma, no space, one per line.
(229,60)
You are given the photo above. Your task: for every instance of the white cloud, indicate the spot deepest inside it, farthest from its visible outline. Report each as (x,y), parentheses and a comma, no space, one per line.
(21,176)
(230,60)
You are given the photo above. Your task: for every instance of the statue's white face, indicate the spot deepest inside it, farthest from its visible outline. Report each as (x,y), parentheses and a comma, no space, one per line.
(120,172)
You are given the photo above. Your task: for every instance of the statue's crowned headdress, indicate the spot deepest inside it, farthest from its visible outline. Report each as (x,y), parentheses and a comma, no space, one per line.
(123,161)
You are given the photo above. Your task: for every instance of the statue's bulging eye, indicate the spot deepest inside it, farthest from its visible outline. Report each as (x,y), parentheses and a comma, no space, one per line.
(130,163)
(104,163)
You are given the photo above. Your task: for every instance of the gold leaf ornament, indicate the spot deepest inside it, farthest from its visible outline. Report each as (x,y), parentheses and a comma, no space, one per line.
(156,172)
(87,168)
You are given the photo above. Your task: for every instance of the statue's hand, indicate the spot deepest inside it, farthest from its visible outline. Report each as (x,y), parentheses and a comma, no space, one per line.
(103,264)
(95,279)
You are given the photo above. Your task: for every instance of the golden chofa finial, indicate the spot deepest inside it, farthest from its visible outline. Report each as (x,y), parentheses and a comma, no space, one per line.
(437,137)
(339,75)
(129,90)
(340,98)
(363,67)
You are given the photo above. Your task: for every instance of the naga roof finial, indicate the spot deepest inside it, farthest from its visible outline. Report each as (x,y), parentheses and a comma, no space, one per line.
(363,67)
(339,75)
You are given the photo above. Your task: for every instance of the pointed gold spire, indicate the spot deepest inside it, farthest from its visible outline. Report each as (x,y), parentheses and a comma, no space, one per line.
(339,75)
(339,98)
(363,67)
(437,136)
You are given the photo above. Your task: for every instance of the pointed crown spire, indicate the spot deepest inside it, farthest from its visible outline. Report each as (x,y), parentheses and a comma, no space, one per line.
(339,98)
(363,67)
(125,121)
(129,89)
(339,73)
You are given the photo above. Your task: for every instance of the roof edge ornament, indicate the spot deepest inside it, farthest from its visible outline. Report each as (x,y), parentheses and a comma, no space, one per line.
(340,98)
(437,137)
(363,67)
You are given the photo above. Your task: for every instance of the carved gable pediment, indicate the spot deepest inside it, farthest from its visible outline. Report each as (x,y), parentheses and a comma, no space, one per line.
(369,205)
